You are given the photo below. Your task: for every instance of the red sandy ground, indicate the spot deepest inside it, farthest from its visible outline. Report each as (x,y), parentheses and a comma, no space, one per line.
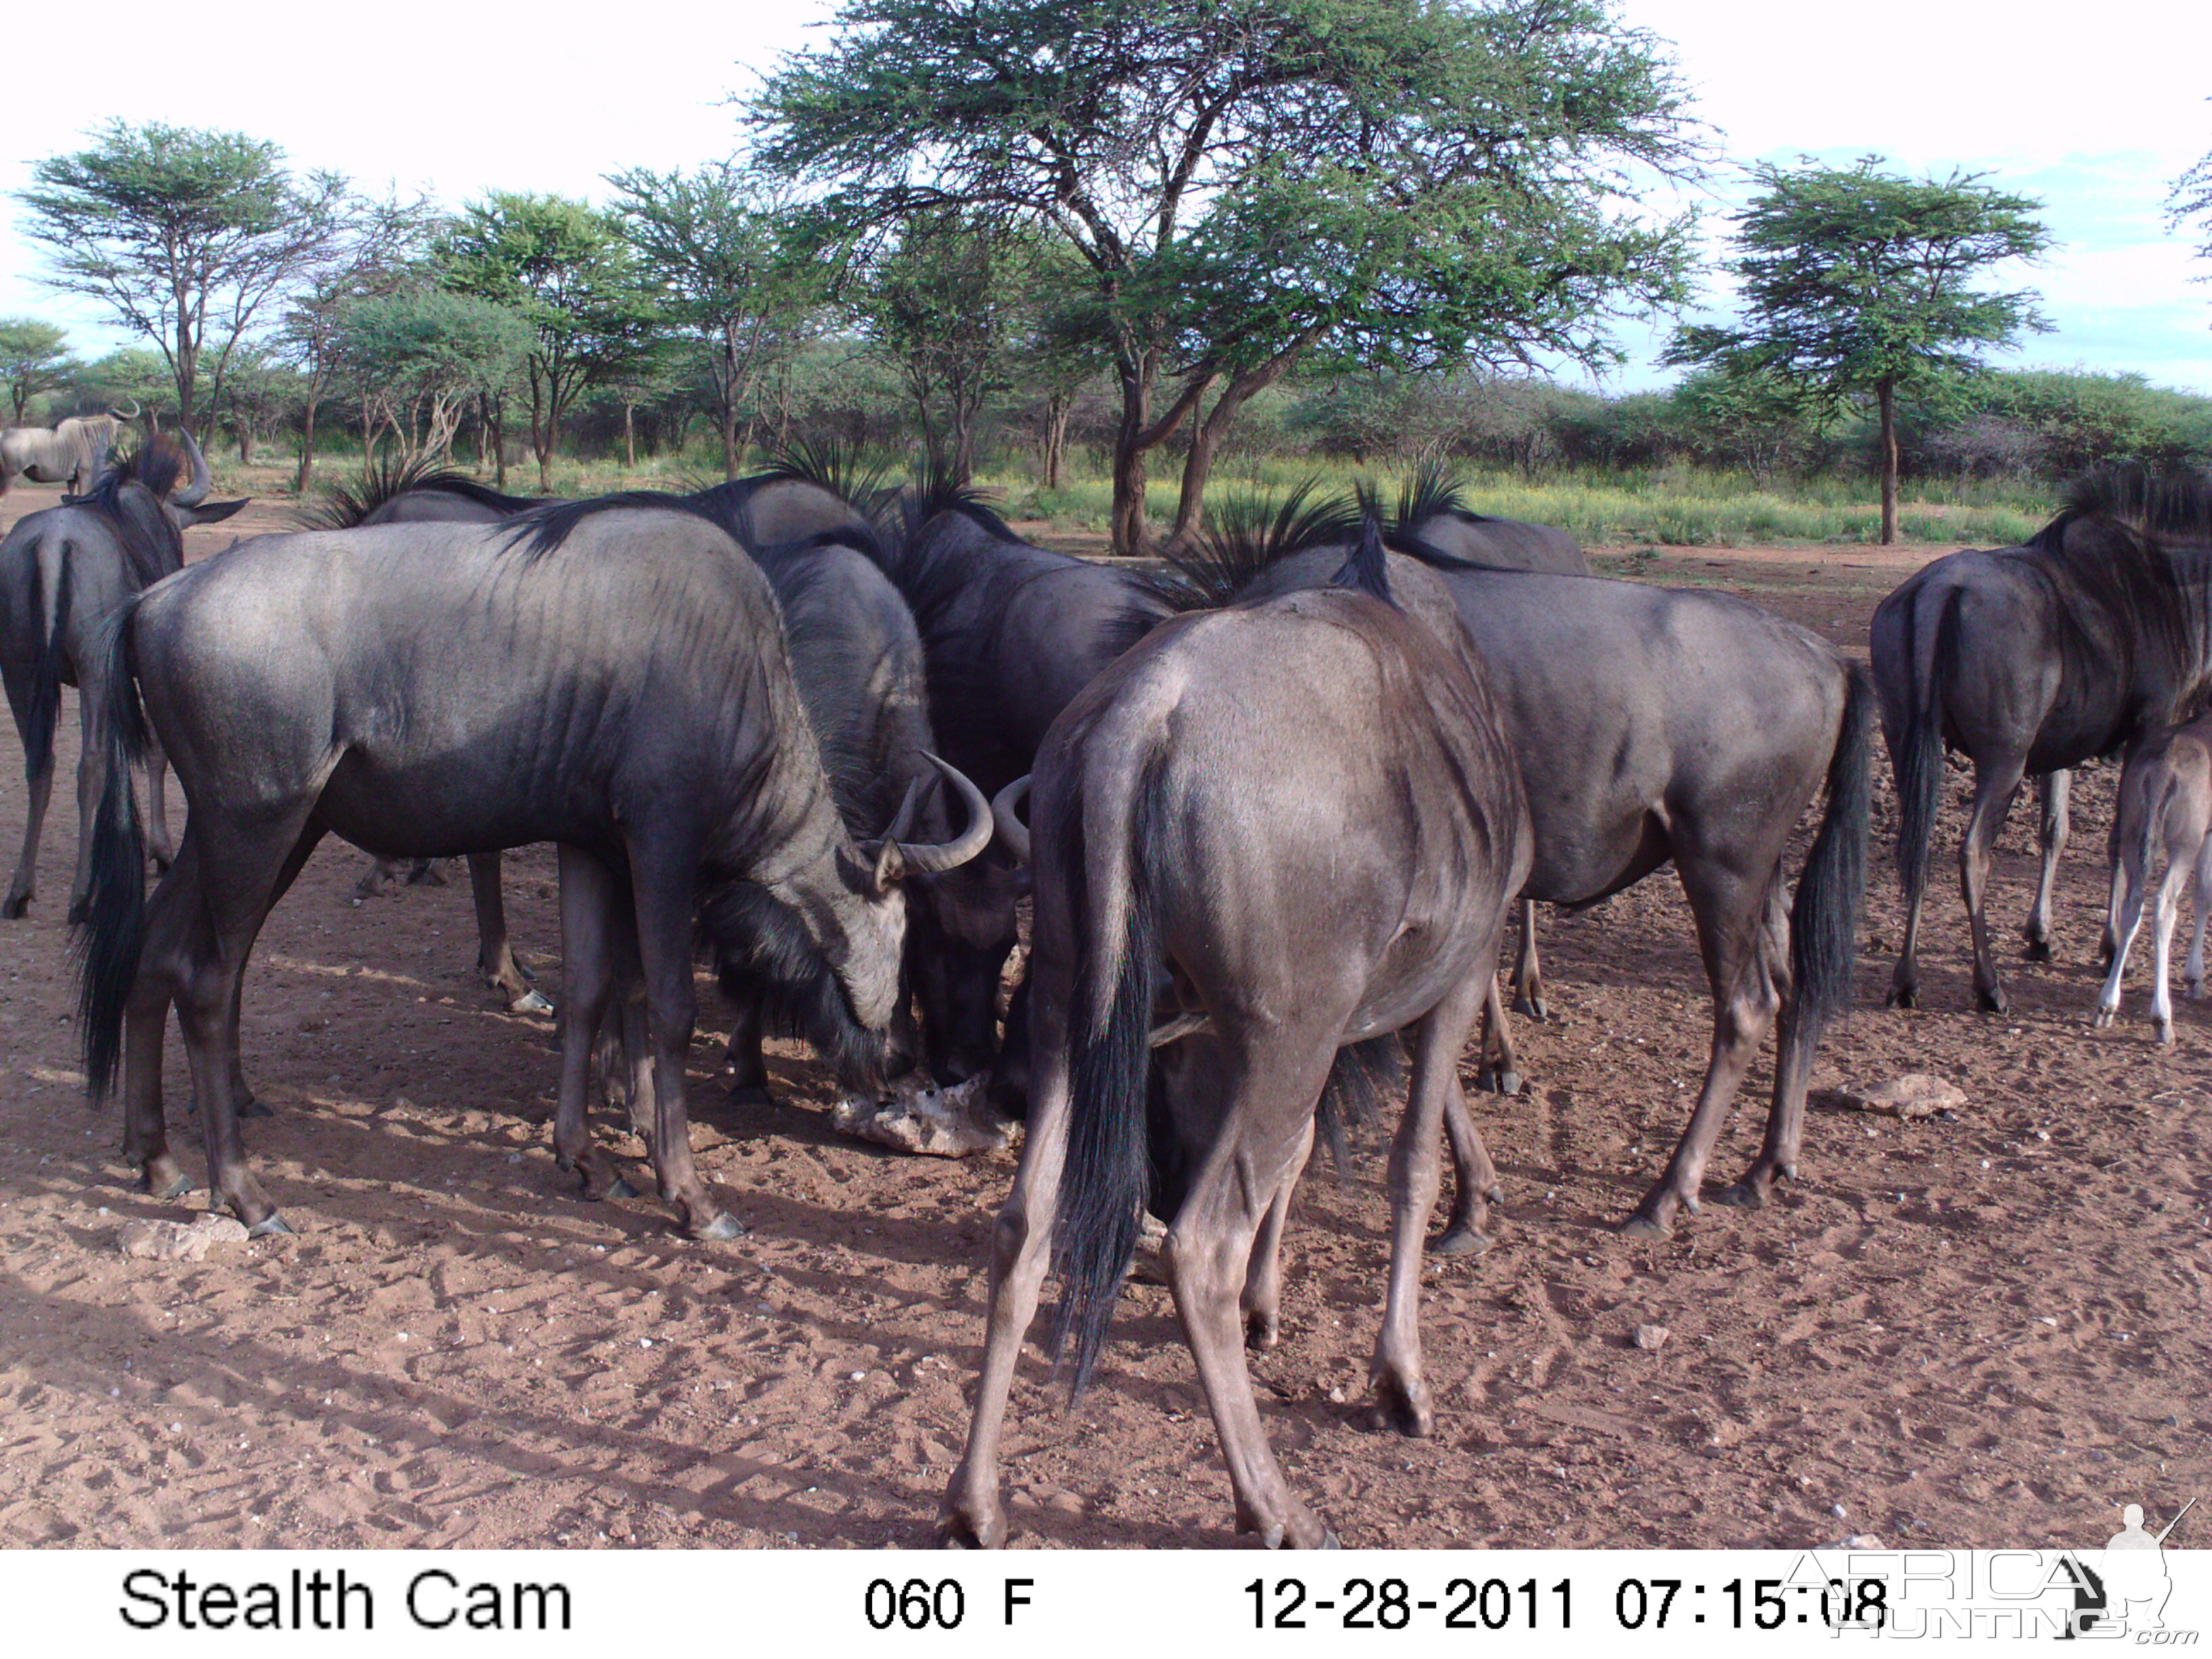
(1980,1332)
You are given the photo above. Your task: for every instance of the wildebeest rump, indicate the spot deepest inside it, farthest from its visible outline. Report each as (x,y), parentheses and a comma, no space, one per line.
(2165,806)
(2033,660)
(1296,821)
(63,571)
(618,683)
(1653,725)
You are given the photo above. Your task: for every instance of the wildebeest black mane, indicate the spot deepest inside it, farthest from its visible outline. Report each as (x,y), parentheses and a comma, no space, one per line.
(763,951)
(543,529)
(151,541)
(842,468)
(1246,533)
(382,480)
(1367,570)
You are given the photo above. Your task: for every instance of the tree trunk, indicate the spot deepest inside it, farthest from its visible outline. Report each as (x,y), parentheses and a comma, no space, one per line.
(1886,395)
(729,425)
(1133,437)
(307,472)
(629,435)
(1198,464)
(245,443)
(1057,407)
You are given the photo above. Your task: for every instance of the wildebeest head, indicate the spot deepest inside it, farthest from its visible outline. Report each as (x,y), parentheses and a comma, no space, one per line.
(152,470)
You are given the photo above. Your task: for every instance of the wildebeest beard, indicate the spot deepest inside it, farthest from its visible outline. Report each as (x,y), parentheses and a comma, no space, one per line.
(762,948)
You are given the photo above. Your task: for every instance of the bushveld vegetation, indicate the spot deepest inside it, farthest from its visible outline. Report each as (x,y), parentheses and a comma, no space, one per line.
(1238,244)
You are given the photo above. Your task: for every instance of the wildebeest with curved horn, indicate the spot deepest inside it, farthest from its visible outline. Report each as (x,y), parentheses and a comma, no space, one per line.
(1653,725)
(2033,660)
(70,454)
(63,571)
(607,675)
(1293,825)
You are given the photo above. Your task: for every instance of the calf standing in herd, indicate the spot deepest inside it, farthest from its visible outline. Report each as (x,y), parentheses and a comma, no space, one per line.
(2165,806)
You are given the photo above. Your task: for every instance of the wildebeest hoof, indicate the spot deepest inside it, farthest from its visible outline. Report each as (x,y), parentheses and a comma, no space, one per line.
(1329,1541)
(1262,1330)
(1741,1195)
(2039,950)
(1641,1225)
(253,1108)
(1992,1001)
(2164,1030)
(723,1228)
(530,1002)
(751,1097)
(271,1224)
(1507,1083)
(2103,1017)
(1460,1241)
(12,908)
(1532,1008)
(80,912)
(1903,996)
(1406,1410)
(619,1188)
(2193,989)
(426,873)
(179,1185)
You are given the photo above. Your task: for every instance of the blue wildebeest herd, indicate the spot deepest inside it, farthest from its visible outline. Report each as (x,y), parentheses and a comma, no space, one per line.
(1273,808)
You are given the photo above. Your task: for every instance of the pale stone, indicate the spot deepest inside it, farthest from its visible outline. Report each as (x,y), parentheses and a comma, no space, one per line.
(1652,1338)
(952,1122)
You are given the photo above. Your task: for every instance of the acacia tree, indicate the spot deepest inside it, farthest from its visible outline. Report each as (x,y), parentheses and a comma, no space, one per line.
(1857,284)
(375,250)
(33,359)
(723,244)
(565,267)
(421,357)
(1246,180)
(185,233)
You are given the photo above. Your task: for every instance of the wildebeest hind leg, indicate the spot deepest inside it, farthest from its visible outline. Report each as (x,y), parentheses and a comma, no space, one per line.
(1502,1073)
(173,916)
(1741,946)
(1021,1240)
(2053,790)
(1993,794)
(1401,1392)
(257,865)
(1206,1253)
(1474,1179)
(2193,975)
(41,789)
(1262,1304)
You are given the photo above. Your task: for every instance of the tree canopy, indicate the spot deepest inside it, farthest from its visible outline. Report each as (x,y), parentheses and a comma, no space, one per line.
(1246,180)
(186,234)
(1859,284)
(34,357)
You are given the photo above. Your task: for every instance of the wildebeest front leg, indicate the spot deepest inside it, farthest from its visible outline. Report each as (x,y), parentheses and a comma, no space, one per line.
(91,772)
(748,1066)
(167,947)
(1502,1073)
(662,885)
(1993,795)
(1528,976)
(1021,1241)
(2124,918)
(594,922)
(2169,909)
(1744,941)
(2053,790)
(495,950)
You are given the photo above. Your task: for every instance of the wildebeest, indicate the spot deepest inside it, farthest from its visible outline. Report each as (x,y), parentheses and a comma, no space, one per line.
(1012,632)
(70,454)
(63,571)
(638,710)
(2033,660)
(2165,806)
(1294,825)
(1652,726)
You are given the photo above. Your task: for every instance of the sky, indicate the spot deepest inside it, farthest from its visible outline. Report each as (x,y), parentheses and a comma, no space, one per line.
(458,100)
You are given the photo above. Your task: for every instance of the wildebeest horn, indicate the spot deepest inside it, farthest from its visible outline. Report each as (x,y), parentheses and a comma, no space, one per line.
(120,416)
(1011,829)
(895,858)
(196,491)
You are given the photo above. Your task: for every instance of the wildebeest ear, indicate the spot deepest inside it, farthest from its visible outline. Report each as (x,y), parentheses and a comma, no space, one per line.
(890,867)
(208,512)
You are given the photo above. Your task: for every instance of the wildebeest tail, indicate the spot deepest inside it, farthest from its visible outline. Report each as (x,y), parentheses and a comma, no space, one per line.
(1363,1081)
(50,604)
(1920,744)
(1103,1186)
(1824,918)
(115,926)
